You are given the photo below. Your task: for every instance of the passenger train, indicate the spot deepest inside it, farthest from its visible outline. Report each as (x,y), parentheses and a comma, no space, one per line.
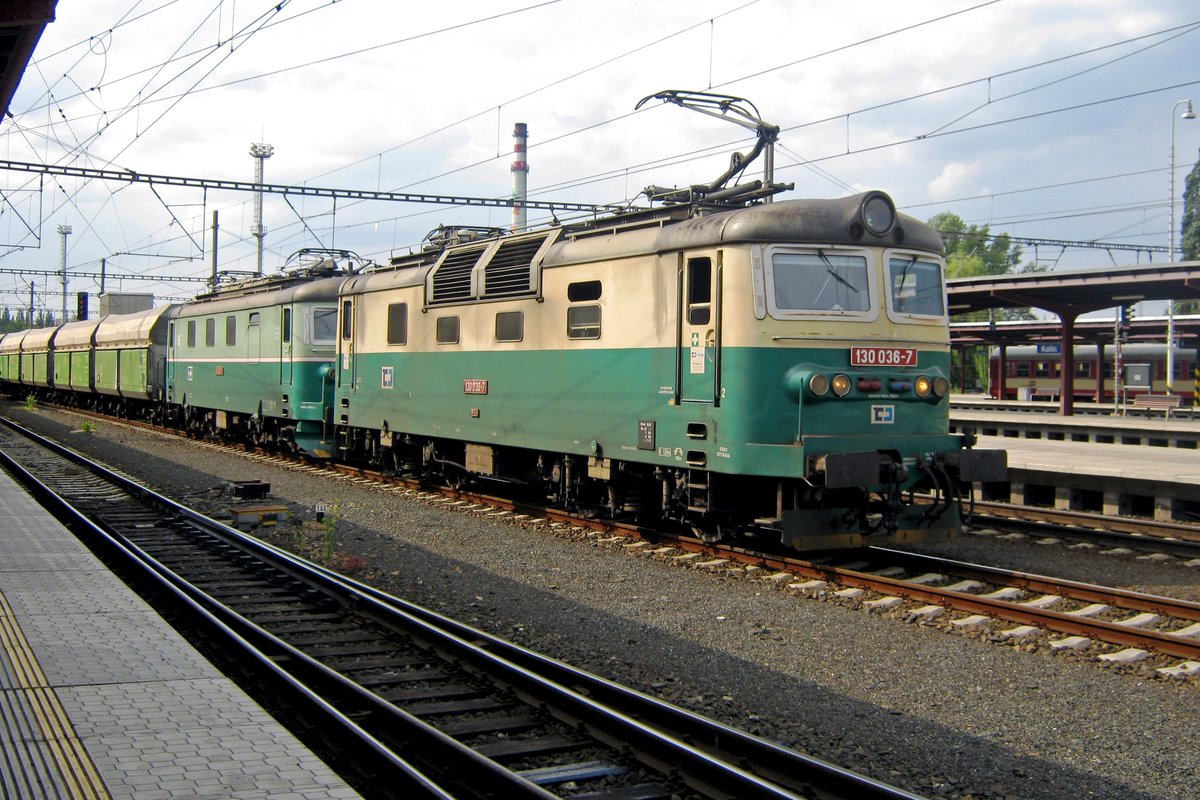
(1035,372)
(773,369)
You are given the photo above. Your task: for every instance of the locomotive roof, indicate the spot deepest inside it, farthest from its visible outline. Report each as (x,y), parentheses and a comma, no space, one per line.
(301,291)
(818,222)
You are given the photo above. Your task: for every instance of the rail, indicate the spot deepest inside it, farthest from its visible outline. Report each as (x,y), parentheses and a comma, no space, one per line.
(639,728)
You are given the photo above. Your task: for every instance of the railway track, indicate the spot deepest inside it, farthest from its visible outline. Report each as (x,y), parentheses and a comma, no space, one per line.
(1139,534)
(1127,626)
(1118,626)
(1171,538)
(418,705)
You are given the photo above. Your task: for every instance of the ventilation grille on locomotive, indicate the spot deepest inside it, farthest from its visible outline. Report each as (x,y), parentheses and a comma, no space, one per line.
(510,269)
(506,267)
(452,281)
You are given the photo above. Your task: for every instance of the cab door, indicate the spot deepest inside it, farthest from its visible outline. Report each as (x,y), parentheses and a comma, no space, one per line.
(347,363)
(699,340)
(287,344)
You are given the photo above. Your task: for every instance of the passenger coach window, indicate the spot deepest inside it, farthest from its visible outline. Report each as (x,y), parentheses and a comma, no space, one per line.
(916,286)
(347,319)
(699,276)
(210,332)
(1045,369)
(397,332)
(820,282)
(230,331)
(447,330)
(510,326)
(324,324)
(583,322)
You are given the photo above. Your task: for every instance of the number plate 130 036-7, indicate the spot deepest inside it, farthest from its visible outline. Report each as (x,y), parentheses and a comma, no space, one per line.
(883,356)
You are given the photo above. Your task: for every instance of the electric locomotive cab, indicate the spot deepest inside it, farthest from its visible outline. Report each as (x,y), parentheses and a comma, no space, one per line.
(857,316)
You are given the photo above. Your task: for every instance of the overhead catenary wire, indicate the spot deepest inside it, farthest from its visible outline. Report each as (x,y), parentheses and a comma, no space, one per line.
(800,162)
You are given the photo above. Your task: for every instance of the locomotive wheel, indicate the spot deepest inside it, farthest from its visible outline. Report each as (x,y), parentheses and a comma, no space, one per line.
(710,531)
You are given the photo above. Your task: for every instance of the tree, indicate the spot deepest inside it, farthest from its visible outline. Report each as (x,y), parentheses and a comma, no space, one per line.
(971,251)
(997,254)
(1190,226)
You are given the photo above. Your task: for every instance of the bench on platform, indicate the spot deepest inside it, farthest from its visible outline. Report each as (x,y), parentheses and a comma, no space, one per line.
(1162,402)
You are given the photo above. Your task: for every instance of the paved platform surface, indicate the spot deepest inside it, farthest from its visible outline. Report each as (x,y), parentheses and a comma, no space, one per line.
(100,697)
(1152,464)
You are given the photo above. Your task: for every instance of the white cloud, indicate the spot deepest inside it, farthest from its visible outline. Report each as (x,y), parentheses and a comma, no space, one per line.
(955,180)
(390,117)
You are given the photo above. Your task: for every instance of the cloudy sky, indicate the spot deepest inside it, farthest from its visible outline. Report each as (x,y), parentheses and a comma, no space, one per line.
(1042,118)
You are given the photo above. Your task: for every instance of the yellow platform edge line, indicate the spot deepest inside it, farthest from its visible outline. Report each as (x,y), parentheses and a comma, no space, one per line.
(80,776)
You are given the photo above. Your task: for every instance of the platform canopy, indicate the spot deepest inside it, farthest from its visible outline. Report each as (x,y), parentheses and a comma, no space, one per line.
(1069,294)
(1076,292)
(21,25)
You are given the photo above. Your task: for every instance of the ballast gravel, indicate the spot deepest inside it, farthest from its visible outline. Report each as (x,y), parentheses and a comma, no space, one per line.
(941,710)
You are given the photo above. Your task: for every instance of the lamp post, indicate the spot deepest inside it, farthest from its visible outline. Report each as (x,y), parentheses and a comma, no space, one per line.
(261,152)
(64,231)
(1187,114)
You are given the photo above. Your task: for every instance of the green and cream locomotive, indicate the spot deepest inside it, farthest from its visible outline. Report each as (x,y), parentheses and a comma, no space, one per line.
(780,369)
(253,360)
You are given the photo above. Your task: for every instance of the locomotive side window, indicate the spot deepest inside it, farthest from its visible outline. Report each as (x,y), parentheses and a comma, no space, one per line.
(324,325)
(230,331)
(583,291)
(285,326)
(916,286)
(820,282)
(191,334)
(583,322)
(347,319)
(699,278)
(210,332)
(447,330)
(255,318)
(397,330)
(510,326)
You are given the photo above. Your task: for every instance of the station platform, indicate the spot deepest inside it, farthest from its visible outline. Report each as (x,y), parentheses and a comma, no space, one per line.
(1091,423)
(1112,479)
(101,698)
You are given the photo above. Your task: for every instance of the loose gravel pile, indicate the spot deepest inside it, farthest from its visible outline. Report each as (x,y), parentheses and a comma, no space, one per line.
(939,714)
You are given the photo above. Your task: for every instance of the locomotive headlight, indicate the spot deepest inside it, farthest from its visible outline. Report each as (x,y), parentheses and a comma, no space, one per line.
(841,385)
(922,386)
(878,214)
(818,385)
(941,386)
